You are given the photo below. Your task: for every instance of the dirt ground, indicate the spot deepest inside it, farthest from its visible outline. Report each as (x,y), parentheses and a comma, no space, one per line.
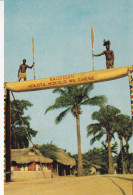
(87,185)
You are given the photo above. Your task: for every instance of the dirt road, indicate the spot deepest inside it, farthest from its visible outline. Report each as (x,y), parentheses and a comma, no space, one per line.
(89,185)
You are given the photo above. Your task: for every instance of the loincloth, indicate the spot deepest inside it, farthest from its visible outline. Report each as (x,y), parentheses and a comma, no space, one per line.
(22,76)
(110,63)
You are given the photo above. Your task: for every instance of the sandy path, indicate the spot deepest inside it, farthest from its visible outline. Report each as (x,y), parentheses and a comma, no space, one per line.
(90,185)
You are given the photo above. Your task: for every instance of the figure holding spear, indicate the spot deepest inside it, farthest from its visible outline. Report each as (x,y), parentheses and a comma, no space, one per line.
(22,70)
(109,54)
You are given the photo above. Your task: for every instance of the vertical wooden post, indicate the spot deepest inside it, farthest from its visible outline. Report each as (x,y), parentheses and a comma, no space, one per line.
(8,136)
(64,172)
(5,96)
(57,170)
(131,91)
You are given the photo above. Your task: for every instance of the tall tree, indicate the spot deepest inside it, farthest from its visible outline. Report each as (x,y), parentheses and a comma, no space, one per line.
(104,148)
(106,125)
(121,125)
(72,98)
(127,134)
(19,137)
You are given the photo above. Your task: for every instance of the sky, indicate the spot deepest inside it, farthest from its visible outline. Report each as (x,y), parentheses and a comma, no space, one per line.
(62,37)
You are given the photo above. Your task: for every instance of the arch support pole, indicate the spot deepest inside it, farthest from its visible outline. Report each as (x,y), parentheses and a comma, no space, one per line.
(7,136)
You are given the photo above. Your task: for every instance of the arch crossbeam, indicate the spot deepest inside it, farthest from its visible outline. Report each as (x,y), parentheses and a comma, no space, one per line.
(69,80)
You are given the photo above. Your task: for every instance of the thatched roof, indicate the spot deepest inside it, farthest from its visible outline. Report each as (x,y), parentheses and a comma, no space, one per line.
(99,167)
(27,155)
(63,158)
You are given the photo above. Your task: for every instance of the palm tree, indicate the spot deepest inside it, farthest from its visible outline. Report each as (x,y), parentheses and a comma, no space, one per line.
(72,98)
(104,149)
(106,125)
(120,126)
(124,129)
(20,137)
(127,134)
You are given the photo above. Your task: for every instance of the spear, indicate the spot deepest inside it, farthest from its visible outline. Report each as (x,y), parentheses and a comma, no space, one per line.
(33,57)
(92,42)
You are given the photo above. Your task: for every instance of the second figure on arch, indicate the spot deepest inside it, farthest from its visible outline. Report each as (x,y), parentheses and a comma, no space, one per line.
(109,54)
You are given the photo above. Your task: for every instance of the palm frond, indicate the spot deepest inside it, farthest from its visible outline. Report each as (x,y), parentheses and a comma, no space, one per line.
(60,102)
(51,108)
(92,129)
(88,88)
(96,138)
(61,91)
(114,148)
(64,101)
(95,101)
(98,100)
(96,115)
(62,115)
(65,93)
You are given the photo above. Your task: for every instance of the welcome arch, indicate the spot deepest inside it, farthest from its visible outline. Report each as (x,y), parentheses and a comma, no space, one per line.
(49,83)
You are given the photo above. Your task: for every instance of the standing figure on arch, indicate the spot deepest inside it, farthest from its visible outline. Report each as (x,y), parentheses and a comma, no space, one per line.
(109,54)
(22,70)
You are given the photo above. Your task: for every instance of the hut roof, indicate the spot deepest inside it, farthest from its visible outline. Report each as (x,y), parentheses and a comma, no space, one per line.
(99,167)
(63,158)
(27,155)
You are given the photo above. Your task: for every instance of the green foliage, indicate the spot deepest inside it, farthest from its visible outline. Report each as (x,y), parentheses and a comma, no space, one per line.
(106,122)
(114,147)
(95,156)
(86,171)
(124,126)
(119,161)
(110,121)
(74,97)
(49,150)
(19,138)
(131,160)
(104,148)
(98,156)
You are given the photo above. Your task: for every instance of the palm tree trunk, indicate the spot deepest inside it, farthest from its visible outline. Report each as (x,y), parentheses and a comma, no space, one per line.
(127,151)
(111,170)
(80,163)
(122,159)
(127,146)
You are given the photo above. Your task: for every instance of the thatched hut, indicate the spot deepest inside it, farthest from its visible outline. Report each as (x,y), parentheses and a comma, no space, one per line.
(64,164)
(29,163)
(28,159)
(98,169)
